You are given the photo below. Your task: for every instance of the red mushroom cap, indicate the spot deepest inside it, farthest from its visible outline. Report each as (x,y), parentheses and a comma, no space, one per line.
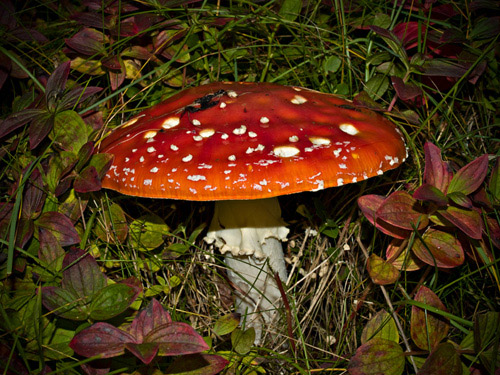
(247,141)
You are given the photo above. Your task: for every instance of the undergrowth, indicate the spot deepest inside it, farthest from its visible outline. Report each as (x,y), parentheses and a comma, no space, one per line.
(361,298)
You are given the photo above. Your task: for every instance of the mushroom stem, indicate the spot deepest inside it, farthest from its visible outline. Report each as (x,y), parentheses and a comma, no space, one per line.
(249,233)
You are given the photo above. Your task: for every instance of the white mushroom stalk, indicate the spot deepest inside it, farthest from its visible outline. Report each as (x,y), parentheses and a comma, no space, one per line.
(249,233)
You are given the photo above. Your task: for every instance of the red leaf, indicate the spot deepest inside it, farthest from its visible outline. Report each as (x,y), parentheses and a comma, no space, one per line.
(34,194)
(427,192)
(470,177)
(154,315)
(18,119)
(444,360)
(369,204)
(176,339)
(468,221)
(145,351)
(39,129)
(406,91)
(437,172)
(87,180)
(408,33)
(428,329)
(60,226)
(57,81)
(403,211)
(87,42)
(100,339)
(377,356)
(439,249)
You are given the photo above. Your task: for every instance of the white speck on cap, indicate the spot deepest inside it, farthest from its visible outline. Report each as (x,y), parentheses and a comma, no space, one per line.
(206,133)
(286,151)
(232,94)
(141,159)
(187,158)
(196,177)
(264,120)
(349,129)
(197,137)
(252,134)
(320,185)
(150,134)
(240,131)
(171,122)
(151,149)
(340,181)
(337,152)
(342,166)
(224,136)
(148,182)
(380,172)
(154,170)
(231,157)
(297,99)
(320,141)
(174,147)
(222,105)
(293,138)
(196,122)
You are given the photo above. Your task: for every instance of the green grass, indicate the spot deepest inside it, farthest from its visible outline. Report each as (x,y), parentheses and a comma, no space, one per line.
(327,46)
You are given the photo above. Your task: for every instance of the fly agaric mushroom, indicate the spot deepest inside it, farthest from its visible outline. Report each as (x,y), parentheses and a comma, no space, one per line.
(242,145)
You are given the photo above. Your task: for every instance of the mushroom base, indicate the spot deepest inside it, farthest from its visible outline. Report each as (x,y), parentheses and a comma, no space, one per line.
(249,233)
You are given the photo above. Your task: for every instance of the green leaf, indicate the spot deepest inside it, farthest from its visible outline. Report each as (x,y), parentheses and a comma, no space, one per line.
(444,360)
(377,86)
(242,341)
(148,232)
(290,9)
(381,272)
(382,326)
(64,303)
(226,324)
(494,183)
(377,356)
(440,249)
(427,329)
(113,222)
(70,132)
(332,64)
(487,338)
(111,301)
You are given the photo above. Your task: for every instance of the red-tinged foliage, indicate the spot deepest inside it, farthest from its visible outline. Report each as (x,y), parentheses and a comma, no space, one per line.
(84,291)
(152,333)
(448,200)
(427,328)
